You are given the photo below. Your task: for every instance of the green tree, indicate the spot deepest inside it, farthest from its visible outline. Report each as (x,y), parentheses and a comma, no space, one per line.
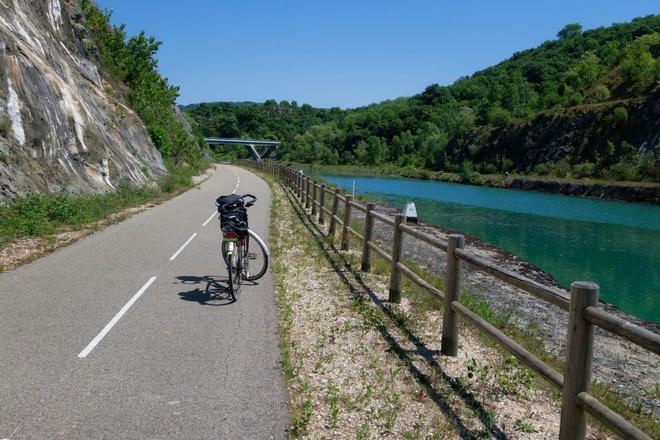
(570,30)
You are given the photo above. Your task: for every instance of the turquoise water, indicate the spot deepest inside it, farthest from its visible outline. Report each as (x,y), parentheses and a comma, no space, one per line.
(615,244)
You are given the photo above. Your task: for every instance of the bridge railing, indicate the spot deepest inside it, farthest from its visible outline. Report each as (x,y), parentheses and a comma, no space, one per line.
(581,303)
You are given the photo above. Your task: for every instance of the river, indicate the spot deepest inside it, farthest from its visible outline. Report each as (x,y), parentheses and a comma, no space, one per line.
(615,244)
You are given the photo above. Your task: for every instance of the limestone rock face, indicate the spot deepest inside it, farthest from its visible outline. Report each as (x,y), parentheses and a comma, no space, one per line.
(61,125)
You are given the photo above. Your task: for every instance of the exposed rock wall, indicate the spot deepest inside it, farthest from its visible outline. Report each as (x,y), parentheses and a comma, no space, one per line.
(61,127)
(580,133)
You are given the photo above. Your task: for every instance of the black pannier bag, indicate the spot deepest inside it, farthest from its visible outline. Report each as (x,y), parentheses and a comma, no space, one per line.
(233,214)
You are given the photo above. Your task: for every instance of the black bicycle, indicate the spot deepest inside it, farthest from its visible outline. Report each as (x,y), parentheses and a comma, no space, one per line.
(244,252)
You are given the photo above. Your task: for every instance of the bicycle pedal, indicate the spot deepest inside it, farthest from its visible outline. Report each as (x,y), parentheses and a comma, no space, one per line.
(252,256)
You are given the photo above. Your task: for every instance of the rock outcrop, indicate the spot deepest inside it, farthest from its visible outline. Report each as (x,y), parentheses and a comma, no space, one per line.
(61,125)
(579,133)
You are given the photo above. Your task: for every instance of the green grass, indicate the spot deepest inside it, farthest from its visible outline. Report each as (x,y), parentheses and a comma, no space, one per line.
(40,215)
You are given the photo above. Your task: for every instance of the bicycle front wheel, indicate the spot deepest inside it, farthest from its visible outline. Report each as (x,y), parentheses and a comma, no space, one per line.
(257,255)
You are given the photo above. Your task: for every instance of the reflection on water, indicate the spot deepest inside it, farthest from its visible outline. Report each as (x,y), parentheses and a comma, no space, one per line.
(615,244)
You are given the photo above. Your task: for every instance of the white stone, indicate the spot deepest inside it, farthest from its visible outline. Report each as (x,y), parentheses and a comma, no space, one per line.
(55,14)
(14,111)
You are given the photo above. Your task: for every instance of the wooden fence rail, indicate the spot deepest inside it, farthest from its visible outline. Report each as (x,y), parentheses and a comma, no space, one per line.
(582,302)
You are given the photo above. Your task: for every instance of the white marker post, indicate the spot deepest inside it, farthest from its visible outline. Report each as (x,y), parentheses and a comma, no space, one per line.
(410,212)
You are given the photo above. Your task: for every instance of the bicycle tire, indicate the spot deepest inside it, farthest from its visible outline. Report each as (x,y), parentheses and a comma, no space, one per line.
(261,256)
(233,274)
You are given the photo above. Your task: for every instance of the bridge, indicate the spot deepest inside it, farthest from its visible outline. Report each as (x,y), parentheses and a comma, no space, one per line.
(267,147)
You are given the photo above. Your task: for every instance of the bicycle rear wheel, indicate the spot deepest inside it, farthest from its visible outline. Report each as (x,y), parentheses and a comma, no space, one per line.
(256,263)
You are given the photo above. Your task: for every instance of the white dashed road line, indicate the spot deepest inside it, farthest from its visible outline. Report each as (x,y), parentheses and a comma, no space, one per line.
(176,254)
(83,354)
(238,181)
(209,219)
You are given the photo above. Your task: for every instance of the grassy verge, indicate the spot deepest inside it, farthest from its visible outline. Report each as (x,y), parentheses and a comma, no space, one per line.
(42,215)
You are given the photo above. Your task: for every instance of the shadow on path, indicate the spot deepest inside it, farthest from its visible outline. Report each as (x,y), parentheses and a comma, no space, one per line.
(207,290)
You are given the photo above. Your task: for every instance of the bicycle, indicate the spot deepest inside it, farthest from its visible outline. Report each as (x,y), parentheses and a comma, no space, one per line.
(237,249)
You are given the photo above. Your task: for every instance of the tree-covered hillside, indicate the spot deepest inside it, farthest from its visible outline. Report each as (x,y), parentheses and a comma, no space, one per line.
(607,71)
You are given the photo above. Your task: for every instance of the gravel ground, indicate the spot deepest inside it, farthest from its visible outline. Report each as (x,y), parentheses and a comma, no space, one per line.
(623,365)
(360,367)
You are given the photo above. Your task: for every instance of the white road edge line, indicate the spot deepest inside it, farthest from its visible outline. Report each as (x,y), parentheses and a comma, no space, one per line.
(209,219)
(176,254)
(83,354)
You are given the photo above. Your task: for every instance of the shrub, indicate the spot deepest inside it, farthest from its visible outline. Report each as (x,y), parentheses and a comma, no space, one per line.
(649,166)
(638,68)
(584,169)
(506,164)
(575,98)
(620,115)
(622,171)
(551,99)
(489,168)
(467,172)
(601,93)
(499,117)
(543,169)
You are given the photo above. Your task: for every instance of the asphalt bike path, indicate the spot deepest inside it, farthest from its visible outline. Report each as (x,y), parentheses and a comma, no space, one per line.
(119,335)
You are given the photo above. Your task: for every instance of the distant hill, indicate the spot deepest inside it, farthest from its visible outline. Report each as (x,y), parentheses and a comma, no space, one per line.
(584,105)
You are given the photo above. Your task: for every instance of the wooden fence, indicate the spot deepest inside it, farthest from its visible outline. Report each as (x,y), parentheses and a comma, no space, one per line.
(581,304)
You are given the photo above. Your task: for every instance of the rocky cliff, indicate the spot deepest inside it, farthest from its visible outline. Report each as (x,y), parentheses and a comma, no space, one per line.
(61,125)
(578,134)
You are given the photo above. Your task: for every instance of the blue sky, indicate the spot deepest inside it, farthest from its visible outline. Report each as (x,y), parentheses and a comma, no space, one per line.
(345,53)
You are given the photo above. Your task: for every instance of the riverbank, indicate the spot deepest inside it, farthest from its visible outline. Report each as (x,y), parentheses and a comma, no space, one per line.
(639,192)
(359,367)
(619,365)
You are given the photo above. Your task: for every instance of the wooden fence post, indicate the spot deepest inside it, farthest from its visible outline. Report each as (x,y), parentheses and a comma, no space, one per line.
(333,220)
(577,372)
(453,286)
(397,256)
(308,192)
(314,197)
(347,222)
(322,205)
(368,233)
